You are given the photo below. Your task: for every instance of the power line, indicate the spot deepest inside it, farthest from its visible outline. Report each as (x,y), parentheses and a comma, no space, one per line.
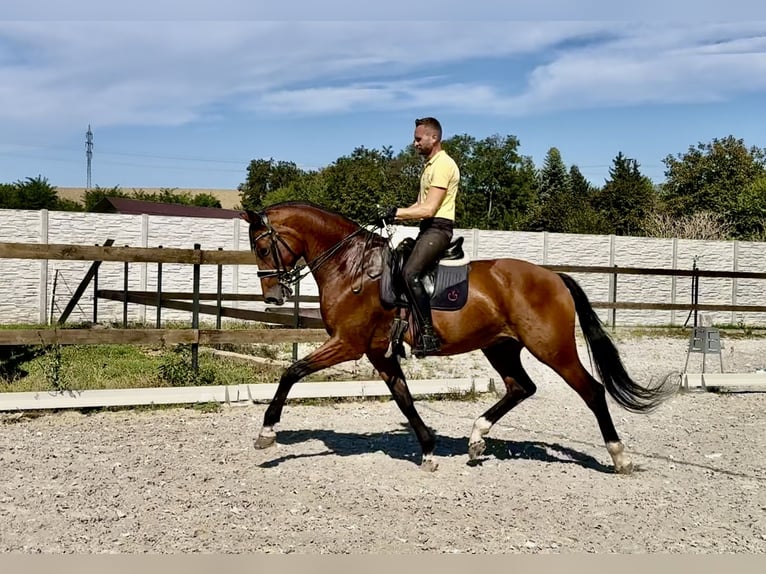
(176,167)
(176,158)
(111,162)
(133,154)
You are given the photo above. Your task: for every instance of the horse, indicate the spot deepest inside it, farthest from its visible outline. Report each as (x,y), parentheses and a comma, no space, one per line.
(512,304)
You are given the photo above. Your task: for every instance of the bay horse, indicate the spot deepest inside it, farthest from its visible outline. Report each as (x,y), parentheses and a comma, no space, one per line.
(511,304)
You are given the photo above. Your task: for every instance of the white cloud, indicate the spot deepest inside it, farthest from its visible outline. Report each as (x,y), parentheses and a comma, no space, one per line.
(62,75)
(650,65)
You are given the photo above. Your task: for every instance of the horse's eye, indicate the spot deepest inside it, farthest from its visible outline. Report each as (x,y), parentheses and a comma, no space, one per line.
(263,252)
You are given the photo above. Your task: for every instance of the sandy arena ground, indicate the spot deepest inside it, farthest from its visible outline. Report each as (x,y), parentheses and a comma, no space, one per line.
(344,477)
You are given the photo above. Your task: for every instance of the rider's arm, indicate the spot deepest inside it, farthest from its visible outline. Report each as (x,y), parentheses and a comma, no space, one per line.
(426,209)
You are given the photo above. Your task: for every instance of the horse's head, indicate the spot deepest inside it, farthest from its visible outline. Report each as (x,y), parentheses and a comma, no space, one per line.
(275,255)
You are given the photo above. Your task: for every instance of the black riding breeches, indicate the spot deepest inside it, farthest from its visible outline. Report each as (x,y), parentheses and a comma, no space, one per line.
(429,246)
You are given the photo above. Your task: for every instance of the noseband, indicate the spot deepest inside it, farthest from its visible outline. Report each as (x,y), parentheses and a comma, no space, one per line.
(285,276)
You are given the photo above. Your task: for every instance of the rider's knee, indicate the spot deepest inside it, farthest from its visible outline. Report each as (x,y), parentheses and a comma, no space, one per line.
(412,278)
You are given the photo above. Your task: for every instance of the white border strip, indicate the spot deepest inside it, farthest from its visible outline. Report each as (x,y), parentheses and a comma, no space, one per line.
(229,394)
(727,381)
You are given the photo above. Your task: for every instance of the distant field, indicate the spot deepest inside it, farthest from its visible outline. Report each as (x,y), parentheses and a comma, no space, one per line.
(229,198)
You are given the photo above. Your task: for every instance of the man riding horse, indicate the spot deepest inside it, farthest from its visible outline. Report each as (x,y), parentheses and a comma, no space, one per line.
(435,208)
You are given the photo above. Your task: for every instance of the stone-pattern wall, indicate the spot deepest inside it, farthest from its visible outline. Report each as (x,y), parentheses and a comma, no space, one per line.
(27,286)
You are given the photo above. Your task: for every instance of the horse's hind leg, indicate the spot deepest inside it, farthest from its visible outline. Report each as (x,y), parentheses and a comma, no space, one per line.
(505,357)
(566,362)
(594,395)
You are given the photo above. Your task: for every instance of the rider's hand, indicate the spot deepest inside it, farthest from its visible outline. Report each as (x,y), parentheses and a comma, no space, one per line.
(387,214)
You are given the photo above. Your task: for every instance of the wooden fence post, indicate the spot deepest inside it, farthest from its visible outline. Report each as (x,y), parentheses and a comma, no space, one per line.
(195,310)
(43,301)
(613,299)
(296,316)
(219,293)
(95,296)
(158,322)
(125,300)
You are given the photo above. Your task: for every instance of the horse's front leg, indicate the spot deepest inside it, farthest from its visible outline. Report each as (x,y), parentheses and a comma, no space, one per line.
(391,372)
(331,353)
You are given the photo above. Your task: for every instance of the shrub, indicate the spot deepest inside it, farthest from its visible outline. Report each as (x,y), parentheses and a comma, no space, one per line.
(176,369)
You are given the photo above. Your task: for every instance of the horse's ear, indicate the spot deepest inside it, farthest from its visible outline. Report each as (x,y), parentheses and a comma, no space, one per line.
(250,216)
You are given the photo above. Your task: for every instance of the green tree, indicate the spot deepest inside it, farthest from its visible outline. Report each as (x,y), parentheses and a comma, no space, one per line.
(627,198)
(581,216)
(497,184)
(37,193)
(172,195)
(357,182)
(309,186)
(263,177)
(8,196)
(94,195)
(554,194)
(31,193)
(402,176)
(354,184)
(205,200)
(711,177)
(748,216)
(69,205)
(471,205)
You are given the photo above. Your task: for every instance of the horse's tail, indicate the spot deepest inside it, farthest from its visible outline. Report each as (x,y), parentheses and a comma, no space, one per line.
(615,378)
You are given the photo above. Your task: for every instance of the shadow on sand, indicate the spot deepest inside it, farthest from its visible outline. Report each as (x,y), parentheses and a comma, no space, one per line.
(402,445)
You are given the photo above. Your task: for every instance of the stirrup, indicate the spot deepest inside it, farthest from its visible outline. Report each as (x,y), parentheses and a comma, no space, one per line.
(428,345)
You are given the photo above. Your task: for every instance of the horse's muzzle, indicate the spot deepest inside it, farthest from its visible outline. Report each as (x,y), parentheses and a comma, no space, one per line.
(276,295)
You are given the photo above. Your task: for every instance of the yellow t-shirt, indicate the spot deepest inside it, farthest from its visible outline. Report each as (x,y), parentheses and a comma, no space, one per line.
(441,171)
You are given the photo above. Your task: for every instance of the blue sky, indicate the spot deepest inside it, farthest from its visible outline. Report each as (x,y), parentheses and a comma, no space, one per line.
(181,96)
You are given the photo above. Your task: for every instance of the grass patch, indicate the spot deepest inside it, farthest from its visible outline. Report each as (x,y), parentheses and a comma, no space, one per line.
(87,367)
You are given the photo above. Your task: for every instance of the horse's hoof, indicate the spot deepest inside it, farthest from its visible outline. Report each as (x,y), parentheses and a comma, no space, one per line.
(264,441)
(626,468)
(429,465)
(476,449)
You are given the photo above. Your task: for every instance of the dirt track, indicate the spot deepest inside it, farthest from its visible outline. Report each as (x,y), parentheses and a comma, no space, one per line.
(344,478)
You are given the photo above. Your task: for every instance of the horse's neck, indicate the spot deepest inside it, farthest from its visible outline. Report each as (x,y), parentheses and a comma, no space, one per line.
(320,242)
(333,255)
(320,239)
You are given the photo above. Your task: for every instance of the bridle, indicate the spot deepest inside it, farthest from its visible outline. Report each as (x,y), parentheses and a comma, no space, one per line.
(285,276)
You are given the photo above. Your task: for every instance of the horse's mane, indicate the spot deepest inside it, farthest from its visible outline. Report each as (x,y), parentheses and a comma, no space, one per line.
(310,205)
(341,220)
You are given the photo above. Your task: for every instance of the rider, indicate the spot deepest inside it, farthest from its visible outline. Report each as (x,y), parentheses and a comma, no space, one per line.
(435,208)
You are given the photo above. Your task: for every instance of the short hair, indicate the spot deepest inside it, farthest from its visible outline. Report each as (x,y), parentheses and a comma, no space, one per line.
(432,123)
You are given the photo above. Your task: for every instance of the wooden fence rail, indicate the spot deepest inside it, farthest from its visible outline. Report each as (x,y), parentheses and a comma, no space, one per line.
(239,257)
(220,257)
(158,337)
(130,254)
(280,318)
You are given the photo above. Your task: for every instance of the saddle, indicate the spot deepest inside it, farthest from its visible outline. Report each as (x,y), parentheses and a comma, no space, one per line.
(446,281)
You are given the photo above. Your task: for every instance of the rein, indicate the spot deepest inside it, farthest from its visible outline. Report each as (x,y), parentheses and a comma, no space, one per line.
(292,276)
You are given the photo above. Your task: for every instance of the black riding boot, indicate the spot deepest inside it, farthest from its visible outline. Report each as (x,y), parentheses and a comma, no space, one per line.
(428,342)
